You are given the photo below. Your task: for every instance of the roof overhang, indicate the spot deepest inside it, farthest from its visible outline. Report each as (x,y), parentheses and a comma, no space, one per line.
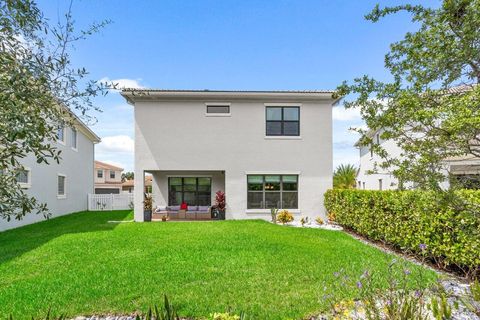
(82,127)
(136,95)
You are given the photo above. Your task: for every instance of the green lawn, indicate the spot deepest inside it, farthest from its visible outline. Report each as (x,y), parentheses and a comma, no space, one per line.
(81,264)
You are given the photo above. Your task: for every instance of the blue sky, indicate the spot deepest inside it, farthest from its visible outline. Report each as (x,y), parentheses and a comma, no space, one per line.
(244,45)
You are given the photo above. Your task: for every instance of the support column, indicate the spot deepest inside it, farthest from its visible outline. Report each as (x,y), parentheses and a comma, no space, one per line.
(139,190)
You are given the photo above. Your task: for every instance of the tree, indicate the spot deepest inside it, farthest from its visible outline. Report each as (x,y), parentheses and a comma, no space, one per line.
(40,90)
(127,176)
(431,107)
(344,177)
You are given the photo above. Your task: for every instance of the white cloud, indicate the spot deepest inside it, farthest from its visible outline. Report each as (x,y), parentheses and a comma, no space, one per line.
(123,83)
(120,143)
(339,113)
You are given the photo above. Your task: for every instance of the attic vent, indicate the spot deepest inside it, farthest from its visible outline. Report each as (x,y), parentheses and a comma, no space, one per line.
(225,109)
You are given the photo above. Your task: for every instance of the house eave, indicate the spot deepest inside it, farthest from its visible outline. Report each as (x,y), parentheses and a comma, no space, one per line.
(135,95)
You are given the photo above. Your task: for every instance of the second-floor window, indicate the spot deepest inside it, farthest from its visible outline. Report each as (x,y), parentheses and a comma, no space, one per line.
(99,173)
(112,174)
(283,121)
(74,138)
(61,134)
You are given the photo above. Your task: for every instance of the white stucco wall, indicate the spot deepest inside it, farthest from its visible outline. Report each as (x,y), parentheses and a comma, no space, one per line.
(371,163)
(77,166)
(178,136)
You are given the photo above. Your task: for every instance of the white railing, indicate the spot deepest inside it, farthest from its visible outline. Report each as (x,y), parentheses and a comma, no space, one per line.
(99,202)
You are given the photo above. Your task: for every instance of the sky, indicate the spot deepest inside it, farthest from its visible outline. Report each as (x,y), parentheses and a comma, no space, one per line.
(231,45)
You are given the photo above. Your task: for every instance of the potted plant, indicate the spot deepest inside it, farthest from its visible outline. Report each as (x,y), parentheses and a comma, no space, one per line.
(164,218)
(147,207)
(220,204)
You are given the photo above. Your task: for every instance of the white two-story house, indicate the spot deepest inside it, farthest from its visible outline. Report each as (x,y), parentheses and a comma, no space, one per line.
(370,176)
(63,186)
(264,149)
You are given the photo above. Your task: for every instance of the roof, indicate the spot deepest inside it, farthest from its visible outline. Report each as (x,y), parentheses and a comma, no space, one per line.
(133,95)
(103,165)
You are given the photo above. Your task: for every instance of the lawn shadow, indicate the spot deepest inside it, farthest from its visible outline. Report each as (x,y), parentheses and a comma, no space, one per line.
(16,242)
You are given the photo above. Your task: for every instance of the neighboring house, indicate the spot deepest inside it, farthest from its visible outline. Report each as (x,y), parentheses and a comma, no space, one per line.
(129,185)
(108,178)
(63,187)
(371,177)
(264,149)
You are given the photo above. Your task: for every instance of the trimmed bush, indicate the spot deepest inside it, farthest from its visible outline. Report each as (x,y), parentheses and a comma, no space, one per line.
(430,224)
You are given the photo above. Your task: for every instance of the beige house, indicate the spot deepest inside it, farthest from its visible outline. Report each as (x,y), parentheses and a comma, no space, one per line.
(264,149)
(108,178)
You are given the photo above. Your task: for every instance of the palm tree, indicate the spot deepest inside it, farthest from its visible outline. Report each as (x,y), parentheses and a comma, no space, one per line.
(344,177)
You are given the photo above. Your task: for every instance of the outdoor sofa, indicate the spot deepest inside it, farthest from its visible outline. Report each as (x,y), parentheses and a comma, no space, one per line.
(192,212)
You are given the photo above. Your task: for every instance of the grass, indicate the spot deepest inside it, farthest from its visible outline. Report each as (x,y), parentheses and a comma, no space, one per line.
(81,265)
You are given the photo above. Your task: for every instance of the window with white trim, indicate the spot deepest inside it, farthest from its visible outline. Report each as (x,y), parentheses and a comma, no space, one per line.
(272,191)
(112,174)
(24,178)
(99,173)
(283,121)
(61,134)
(61,186)
(74,138)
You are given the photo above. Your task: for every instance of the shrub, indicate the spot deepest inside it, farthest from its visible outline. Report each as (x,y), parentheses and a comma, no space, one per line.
(319,221)
(284,217)
(419,222)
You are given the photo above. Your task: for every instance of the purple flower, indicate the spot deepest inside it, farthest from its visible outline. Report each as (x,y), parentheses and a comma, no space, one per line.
(422,246)
(336,274)
(389,303)
(417,294)
(364,274)
(359,285)
(407,272)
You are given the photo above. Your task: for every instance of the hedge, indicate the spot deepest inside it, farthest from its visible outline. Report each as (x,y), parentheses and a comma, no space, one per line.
(409,219)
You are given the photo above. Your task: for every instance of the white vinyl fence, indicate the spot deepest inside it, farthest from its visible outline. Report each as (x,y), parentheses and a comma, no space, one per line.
(99,202)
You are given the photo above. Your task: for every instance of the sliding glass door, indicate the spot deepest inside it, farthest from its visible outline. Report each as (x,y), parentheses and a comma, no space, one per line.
(194,191)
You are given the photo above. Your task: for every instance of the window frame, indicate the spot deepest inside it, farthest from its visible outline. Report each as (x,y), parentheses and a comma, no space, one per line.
(282,121)
(183,191)
(64,195)
(218,104)
(64,135)
(28,184)
(264,191)
(100,171)
(74,139)
(114,174)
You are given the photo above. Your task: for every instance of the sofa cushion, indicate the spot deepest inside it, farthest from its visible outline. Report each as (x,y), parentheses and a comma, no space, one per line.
(192,208)
(173,208)
(161,208)
(203,208)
